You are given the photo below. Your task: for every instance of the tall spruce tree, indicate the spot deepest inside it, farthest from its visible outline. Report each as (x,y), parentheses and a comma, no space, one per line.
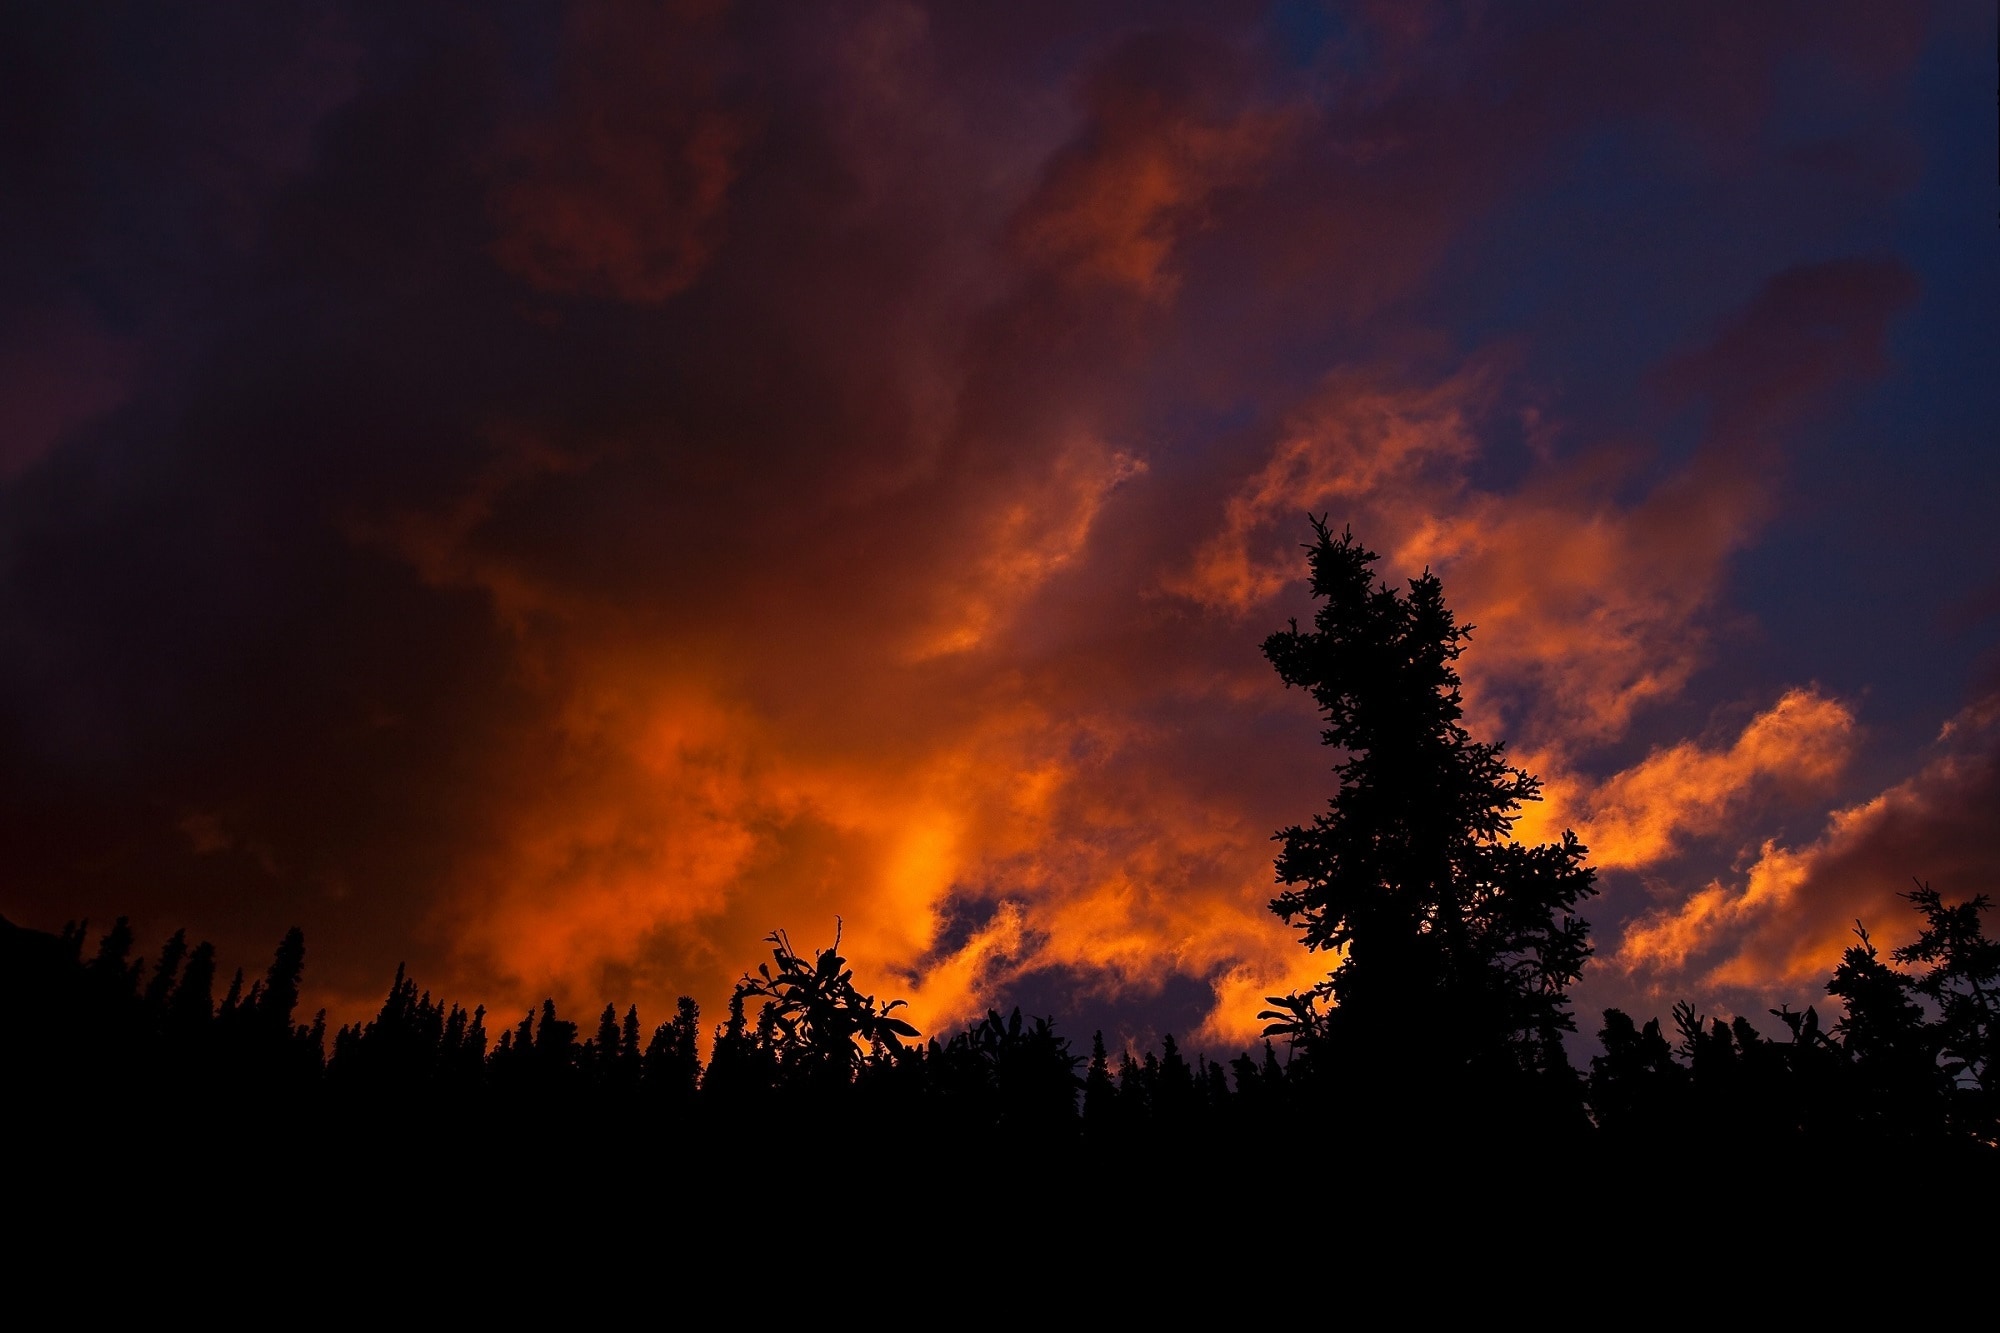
(1455,945)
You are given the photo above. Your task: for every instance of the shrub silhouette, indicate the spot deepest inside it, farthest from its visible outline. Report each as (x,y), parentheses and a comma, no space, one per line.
(814,1018)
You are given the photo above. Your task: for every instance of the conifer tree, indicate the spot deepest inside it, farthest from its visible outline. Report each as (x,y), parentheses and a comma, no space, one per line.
(629,1055)
(1635,1086)
(114,975)
(1893,1051)
(469,1062)
(1215,1086)
(166,971)
(193,1003)
(1099,1093)
(1134,1099)
(1249,1079)
(278,994)
(232,1000)
(1174,1091)
(603,1048)
(1456,945)
(729,1059)
(555,1048)
(1963,981)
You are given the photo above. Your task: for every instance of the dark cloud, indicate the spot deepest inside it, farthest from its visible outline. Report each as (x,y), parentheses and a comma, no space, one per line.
(1811,326)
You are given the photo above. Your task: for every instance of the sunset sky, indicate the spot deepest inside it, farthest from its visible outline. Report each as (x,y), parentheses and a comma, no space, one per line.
(552,492)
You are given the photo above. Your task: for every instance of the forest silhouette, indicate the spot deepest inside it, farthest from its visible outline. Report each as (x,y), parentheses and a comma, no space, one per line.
(1433,1050)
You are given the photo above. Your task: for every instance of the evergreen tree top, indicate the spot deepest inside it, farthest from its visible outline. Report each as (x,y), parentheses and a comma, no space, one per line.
(1440,922)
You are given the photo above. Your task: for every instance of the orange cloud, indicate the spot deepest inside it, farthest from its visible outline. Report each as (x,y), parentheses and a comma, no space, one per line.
(1787,922)
(666,830)
(1158,145)
(1646,813)
(1585,604)
(664,807)
(1588,604)
(1027,540)
(1363,440)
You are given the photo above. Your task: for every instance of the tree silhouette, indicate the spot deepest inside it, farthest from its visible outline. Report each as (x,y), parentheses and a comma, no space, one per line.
(1456,946)
(1023,1072)
(672,1063)
(1897,1085)
(737,1069)
(114,975)
(193,1002)
(277,995)
(1963,980)
(600,1053)
(1175,1096)
(1893,1052)
(1636,1089)
(814,1013)
(1100,1094)
(166,971)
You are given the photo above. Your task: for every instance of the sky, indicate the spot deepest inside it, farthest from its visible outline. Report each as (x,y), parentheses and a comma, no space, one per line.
(552,493)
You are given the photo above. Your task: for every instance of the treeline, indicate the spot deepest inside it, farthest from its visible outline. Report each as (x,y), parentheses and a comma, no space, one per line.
(104,1029)
(1434,1050)
(1911,1059)
(98,1031)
